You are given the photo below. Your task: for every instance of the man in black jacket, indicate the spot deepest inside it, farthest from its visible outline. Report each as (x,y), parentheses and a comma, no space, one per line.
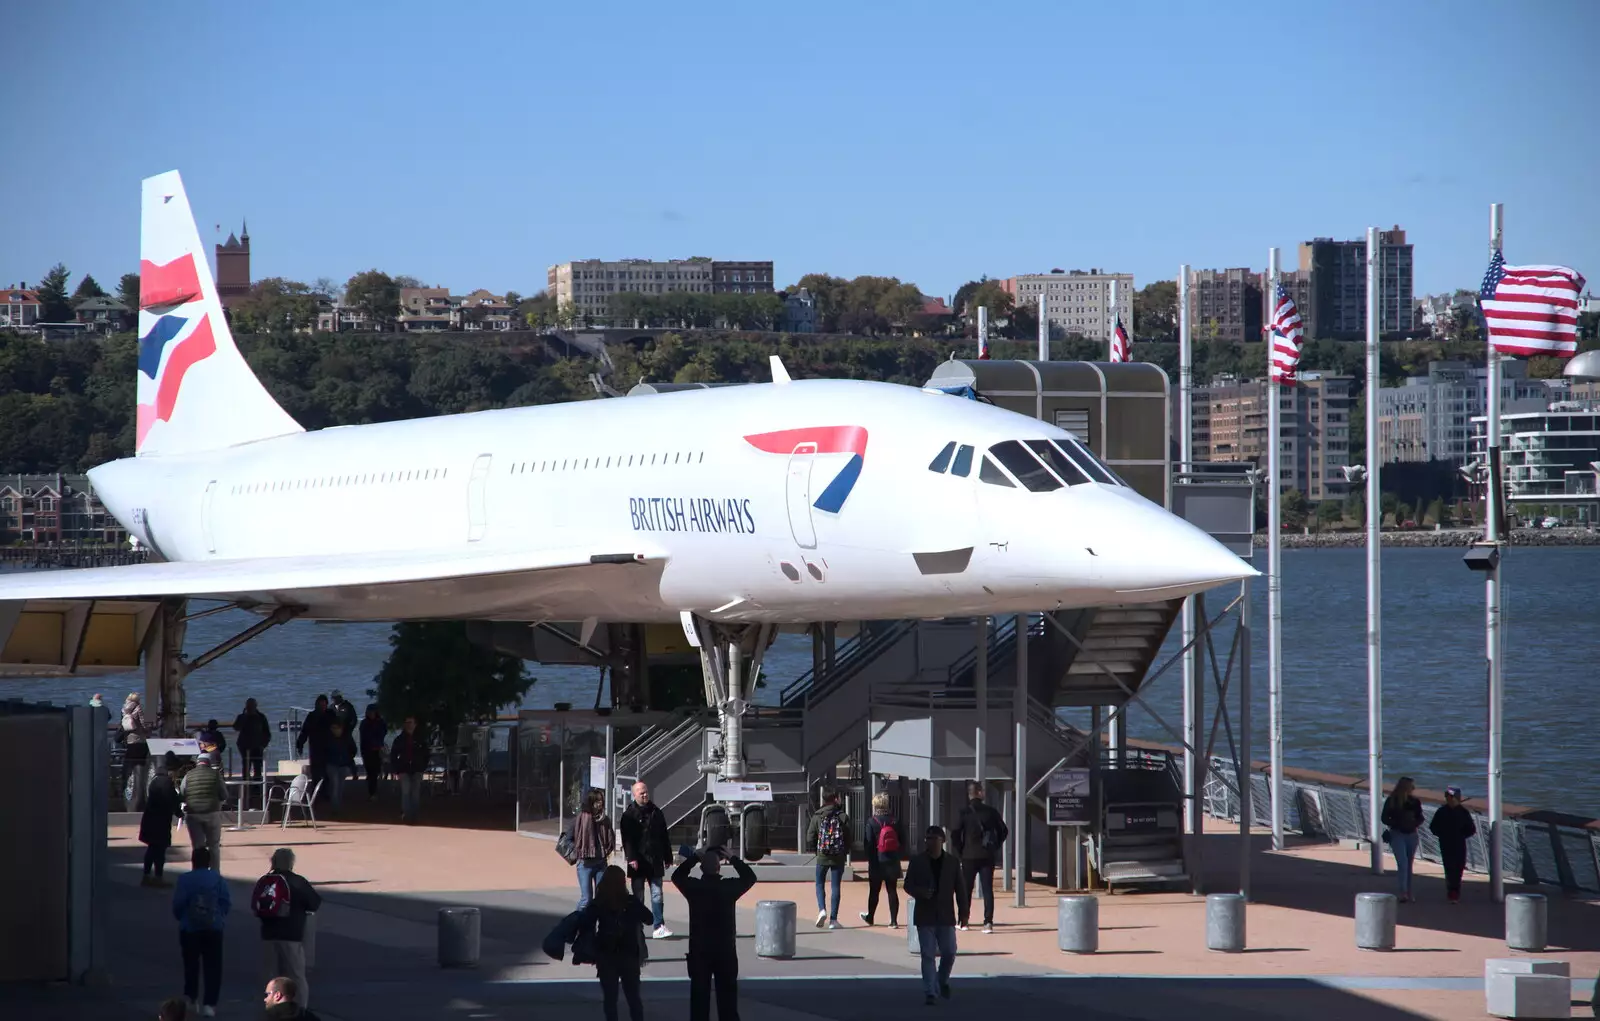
(314,733)
(713,954)
(1453,824)
(935,883)
(979,835)
(282,933)
(280,1001)
(408,761)
(252,733)
(647,847)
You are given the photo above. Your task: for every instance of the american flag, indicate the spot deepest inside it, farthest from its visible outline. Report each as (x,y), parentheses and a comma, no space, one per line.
(1531,310)
(1121,349)
(1286,333)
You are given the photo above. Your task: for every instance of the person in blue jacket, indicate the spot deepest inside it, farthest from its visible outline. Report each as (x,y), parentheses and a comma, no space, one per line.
(200,904)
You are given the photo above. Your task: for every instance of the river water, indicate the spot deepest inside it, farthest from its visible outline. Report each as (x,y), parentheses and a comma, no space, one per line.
(1434,675)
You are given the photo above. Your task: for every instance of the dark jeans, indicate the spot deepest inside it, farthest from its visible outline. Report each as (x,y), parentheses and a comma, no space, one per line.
(250,764)
(626,975)
(722,967)
(981,870)
(155,857)
(372,758)
(883,876)
(202,948)
(1453,867)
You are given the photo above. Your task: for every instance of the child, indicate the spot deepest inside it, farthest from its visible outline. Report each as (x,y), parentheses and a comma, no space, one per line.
(1453,824)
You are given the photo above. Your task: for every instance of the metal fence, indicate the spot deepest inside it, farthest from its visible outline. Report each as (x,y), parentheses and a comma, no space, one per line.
(1540,852)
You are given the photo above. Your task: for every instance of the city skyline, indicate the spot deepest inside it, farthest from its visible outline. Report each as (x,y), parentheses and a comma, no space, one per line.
(898,168)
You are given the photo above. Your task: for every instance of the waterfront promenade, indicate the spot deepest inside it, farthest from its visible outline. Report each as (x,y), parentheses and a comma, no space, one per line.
(383,884)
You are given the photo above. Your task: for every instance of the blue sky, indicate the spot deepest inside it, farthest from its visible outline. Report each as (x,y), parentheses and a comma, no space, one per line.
(473,144)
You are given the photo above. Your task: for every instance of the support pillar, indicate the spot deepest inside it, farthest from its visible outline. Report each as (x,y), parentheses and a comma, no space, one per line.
(1242,772)
(1019,830)
(980,685)
(164,668)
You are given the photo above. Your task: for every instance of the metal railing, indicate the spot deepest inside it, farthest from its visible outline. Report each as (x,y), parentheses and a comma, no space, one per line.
(1539,851)
(849,660)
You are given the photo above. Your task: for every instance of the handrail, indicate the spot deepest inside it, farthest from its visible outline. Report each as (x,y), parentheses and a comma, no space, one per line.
(800,685)
(862,651)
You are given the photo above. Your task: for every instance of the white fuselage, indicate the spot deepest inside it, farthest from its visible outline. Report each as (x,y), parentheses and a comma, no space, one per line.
(673,475)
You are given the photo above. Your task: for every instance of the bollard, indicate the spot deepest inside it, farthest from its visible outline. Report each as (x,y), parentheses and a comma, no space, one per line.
(1527,915)
(775,927)
(913,944)
(458,937)
(1078,924)
(1375,917)
(1225,922)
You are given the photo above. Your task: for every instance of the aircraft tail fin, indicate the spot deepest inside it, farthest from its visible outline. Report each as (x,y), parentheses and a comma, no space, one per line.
(196,391)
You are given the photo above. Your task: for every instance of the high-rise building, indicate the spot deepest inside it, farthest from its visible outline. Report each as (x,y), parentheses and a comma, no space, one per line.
(233,267)
(1429,417)
(1338,271)
(1551,453)
(1225,304)
(1230,424)
(1076,302)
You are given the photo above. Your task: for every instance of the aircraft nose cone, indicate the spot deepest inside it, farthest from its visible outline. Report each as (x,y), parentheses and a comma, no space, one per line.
(1149,553)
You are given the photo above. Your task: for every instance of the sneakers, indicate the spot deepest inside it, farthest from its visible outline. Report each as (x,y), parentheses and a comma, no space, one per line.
(928,1001)
(208,1012)
(894,925)
(662,932)
(822,918)
(866,918)
(833,923)
(988,927)
(962,927)
(944,989)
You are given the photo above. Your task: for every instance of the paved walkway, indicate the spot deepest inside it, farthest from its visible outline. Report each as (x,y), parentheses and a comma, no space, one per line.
(383,885)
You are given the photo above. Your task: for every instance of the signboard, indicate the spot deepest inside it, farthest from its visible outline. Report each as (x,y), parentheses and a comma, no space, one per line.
(597,772)
(738,790)
(175,745)
(1071,801)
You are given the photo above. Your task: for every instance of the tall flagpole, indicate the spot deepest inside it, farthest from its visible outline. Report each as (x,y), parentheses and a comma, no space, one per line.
(1111,328)
(1193,691)
(1374,564)
(1491,584)
(1044,330)
(1275,568)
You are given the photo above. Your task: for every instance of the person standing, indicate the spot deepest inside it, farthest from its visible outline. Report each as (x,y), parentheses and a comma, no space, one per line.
(1453,824)
(202,804)
(339,761)
(883,846)
(252,733)
(281,899)
(314,736)
(616,919)
(161,806)
(829,834)
(373,732)
(940,894)
(713,950)
(408,761)
(201,904)
(979,835)
(647,847)
(343,711)
(212,740)
(593,840)
(135,754)
(1402,814)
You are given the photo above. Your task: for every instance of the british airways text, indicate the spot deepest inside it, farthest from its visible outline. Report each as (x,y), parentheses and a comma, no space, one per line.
(690,514)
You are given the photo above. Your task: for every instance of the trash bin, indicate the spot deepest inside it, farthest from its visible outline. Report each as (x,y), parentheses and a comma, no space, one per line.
(775,928)
(458,937)
(1225,922)
(1375,918)
(1078,924)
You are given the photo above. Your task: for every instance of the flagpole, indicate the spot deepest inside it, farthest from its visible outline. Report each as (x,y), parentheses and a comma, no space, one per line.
(1111,329)
(1374,569)
(1192,764)
(1492,595)
(1044,330)
(983,331)
(1275,568)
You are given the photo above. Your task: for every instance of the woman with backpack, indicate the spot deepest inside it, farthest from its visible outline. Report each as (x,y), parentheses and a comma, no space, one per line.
(593,840)
(883,860)
(616,919)
(1402,813)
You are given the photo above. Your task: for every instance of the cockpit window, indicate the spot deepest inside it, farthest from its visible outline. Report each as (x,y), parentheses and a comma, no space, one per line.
(1060,463)
(941,461)
(1081,455)
(994,476)
(963,466)
(1027,468)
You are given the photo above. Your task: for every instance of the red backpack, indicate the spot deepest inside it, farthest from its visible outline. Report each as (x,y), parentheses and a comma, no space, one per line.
(888,838)
(270,898)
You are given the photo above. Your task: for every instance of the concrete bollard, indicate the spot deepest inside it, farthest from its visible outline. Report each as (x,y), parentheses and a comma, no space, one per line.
(775,928)
(1375,918)
(1078,924)
(459,937)
(1225,922)
(1527,918)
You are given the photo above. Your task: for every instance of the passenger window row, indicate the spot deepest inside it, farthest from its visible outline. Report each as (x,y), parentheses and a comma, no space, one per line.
(340,481)
(617,461)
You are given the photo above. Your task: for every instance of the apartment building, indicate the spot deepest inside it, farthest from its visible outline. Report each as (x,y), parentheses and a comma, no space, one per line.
(1429,417)
(1337,308)
(1076,302)
(1226,304)
(1230,424)
(588,285)
(55,509)
(1551,455)
(741,277)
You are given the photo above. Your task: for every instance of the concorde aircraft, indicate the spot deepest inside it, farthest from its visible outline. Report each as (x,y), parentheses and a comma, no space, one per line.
(731,510)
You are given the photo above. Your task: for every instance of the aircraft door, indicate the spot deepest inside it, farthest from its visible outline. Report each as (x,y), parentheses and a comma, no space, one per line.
(477,498)
(205,516)
(798,490)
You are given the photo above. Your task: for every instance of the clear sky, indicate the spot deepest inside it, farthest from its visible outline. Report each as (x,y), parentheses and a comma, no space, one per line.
(473,144)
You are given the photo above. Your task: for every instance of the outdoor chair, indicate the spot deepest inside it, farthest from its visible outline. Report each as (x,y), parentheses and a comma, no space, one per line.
(299,794)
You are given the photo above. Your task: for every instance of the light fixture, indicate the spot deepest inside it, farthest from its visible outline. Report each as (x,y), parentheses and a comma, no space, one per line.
(1354,473)
(1482,557)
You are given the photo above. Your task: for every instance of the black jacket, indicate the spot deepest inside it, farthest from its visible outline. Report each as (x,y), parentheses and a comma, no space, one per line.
(252,732)
(314,732)
(645,840)
(289,1012)
(875,826)
(1406,818)
(373,731)
(161,806)
(977,821)
(937,889)
(1453,824)
(618,935)
(408,754)
(302,898)
(712,926)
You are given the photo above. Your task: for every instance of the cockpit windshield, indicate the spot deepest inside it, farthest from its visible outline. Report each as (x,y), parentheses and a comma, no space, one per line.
(1027,469)
(1091,464)
(1059,463)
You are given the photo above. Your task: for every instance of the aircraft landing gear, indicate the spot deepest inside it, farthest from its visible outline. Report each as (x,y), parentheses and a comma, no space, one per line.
(730,659)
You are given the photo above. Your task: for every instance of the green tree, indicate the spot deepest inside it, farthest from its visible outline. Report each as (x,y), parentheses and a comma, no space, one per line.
(88,288)
(1436,513)
(992,296)
(441,678)
(1329,513)
(54,305)
(128,291)
(1155,312)
(1292,508)
(274,305)
(376,294)
(829,292)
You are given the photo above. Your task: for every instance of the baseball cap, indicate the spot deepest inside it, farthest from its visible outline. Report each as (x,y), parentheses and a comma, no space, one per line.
(1452,792)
